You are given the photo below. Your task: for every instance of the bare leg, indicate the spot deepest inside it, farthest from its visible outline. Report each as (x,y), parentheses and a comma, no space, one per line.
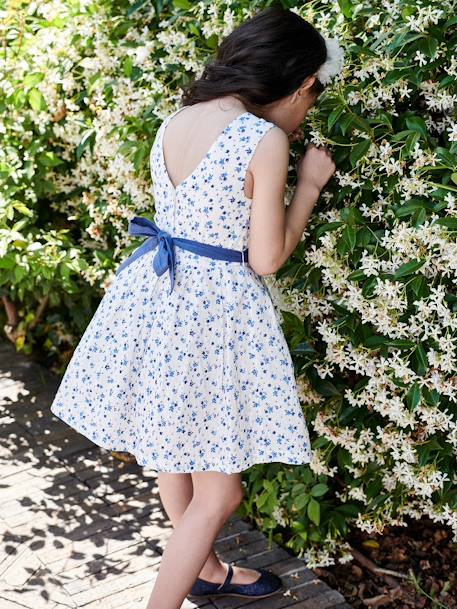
(176,491)
(216,495)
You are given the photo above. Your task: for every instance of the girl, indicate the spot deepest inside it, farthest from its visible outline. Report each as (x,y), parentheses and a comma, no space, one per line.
(184,363)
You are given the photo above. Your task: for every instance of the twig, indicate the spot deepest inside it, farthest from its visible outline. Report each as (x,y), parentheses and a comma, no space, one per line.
(390,572)
(371,566)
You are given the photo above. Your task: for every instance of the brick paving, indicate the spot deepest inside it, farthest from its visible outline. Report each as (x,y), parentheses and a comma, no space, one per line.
(81,529)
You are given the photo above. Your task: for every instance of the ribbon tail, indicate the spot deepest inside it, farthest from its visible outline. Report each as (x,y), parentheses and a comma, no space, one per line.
(172,275)
(148,245)
(165,259)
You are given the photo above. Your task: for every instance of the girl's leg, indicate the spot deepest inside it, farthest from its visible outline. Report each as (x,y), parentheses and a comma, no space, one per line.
(215,497)
(175,493)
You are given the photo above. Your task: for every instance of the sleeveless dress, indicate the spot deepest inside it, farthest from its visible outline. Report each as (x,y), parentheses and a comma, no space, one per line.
(202,378)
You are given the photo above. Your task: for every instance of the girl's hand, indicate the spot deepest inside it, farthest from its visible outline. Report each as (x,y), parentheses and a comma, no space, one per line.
(316,166)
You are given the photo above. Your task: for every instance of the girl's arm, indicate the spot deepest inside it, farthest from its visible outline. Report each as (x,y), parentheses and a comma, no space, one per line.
(275,230)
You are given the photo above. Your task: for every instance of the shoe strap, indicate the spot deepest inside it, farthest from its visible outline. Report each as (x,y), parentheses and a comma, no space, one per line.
(229,576)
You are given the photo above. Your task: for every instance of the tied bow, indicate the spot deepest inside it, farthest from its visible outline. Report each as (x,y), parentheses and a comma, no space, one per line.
(165,256)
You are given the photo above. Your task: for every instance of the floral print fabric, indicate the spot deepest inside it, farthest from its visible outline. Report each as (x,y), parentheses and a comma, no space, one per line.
(201,379)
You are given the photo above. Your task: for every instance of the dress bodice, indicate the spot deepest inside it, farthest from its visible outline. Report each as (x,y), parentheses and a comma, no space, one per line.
(210,204)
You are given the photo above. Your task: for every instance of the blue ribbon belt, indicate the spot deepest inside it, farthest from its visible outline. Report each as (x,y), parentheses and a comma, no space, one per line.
(165,256)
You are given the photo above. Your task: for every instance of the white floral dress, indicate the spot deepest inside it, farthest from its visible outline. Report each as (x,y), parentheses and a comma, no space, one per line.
(202,378)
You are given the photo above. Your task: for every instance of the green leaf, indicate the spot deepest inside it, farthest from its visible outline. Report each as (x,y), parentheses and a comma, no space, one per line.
(314,511)
(127,66)
(351,215)
(357,275)
(323,228)
(7,262)
(349,235)
(304,348)
(19,272)
(413,396)
(301,500)
(22,209)
(399,343)
(334,116)
(450,223)
(88,139)
(36,100)
(319,489)
(418,217)
(346,8)
(345,122)
(212,41)
(410,143)
(292,323)
(358,151)
(363,236)
(428,46)
(30,80)
(431,396)
(325,388)
(408,268)
(419,361)
(135,7)
(49,159)
(409,208)
(416,123)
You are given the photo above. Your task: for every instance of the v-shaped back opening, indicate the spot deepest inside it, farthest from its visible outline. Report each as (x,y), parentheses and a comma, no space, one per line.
(202,160)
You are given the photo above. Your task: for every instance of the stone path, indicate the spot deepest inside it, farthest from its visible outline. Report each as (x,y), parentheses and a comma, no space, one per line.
(82,529)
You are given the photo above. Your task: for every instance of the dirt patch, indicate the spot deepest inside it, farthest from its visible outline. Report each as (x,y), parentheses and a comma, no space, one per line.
(423,553)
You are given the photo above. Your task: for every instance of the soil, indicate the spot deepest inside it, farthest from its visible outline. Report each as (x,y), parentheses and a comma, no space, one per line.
(423,551)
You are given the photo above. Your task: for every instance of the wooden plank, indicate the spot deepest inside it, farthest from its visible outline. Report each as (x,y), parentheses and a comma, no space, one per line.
(23,484)
(44,509)
(128,489)
(27,459)
(86,550)
(136,597)
(105,471)
(104,590)
(94,457)
(154,531)
(17,439)
(66,443)
(315,593)
(327,600)
(42,591)
(64,489)
(93,561)
(258,546)
(233,542)
(97,565)
(19,566)
(110,572)
(266,558)
(232,528)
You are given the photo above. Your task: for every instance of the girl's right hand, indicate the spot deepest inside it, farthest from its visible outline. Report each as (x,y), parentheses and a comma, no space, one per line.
(316,166)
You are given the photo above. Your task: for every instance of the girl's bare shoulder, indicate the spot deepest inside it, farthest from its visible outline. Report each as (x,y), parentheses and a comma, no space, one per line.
(272,150)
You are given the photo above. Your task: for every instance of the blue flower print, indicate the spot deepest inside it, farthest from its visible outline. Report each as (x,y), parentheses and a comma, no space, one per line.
(201,379)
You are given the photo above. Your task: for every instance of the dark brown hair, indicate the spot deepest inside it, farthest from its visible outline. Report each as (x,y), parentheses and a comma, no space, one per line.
(264,59)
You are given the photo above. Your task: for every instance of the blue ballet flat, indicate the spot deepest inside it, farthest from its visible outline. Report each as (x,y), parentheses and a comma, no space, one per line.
(267,584)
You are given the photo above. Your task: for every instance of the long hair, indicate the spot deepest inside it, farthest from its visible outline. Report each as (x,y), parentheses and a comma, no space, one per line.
(264,59)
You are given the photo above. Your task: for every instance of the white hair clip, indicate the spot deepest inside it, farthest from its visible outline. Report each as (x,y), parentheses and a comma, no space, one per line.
(334,62)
